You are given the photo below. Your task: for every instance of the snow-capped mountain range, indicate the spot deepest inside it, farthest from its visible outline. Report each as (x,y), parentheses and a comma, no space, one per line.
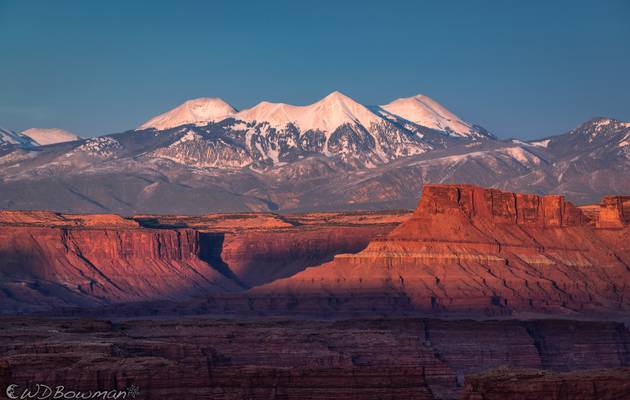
(206,156)
(215,134)
(325,115)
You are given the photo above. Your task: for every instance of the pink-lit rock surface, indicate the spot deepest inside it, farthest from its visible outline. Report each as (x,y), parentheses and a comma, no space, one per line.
(51,260)
(470,249)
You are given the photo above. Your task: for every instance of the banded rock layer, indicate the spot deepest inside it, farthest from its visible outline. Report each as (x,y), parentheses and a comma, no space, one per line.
(297,359)
(508,384)
(51,260)
(44,267)
(469,249)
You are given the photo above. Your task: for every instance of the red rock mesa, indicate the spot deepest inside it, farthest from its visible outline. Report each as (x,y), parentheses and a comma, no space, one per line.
(469,249)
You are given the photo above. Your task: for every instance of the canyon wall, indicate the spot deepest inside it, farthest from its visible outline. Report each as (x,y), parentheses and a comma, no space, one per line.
(262,256)
(44,267)
(299,359)
(472,250)
(614,212)
(50,260)
(259,248)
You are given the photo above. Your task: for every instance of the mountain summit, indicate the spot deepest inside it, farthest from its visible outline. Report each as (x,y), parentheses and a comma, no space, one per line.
(326,115)
(44,136)
(196,111)
(424,111)
(238,165)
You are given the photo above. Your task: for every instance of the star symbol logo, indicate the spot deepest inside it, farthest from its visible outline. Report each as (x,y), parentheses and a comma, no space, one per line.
(133,391)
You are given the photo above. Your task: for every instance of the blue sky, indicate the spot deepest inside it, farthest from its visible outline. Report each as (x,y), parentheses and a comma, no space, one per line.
(519,68)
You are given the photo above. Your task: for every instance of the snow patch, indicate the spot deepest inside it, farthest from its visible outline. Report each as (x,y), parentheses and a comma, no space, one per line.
(102,147)
(541,143)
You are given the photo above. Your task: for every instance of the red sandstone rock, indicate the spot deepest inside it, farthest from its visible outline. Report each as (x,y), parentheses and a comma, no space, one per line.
(261,257)
(52,267)
(614,212)
(53,219)
(58,260)
(469,249)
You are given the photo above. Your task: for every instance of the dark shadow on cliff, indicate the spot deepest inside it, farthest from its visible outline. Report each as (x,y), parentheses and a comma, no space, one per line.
(24,287)
(210,249)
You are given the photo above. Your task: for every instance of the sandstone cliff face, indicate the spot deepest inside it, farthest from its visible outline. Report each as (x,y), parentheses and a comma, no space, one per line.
(54,267)
(299,359)
(51,260)
(260,257)
(468,249)
(614,212)
(260,248)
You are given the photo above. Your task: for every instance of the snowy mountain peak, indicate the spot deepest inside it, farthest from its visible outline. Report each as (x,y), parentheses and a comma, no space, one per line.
(603,122)
(196,111)
(336,96)
(602,128)
(424,111)
(325,115)
(44,136)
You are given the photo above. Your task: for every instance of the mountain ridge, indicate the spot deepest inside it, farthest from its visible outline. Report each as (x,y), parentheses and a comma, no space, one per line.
(324,115)
(234,165)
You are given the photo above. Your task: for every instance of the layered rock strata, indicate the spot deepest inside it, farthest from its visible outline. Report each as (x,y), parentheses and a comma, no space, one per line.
(468,249)
(55,267)
(513,384)
(299,359)
(51,260)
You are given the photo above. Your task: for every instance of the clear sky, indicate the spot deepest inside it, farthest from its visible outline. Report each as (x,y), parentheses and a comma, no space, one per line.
(519,68)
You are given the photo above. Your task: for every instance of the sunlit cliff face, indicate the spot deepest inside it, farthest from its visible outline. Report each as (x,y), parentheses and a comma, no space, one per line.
(469,249)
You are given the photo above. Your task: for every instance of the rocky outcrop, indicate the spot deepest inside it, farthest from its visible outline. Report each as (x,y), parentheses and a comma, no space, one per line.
(474,250)
(525,384)
(296,359)
(495,206)
(614,212)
